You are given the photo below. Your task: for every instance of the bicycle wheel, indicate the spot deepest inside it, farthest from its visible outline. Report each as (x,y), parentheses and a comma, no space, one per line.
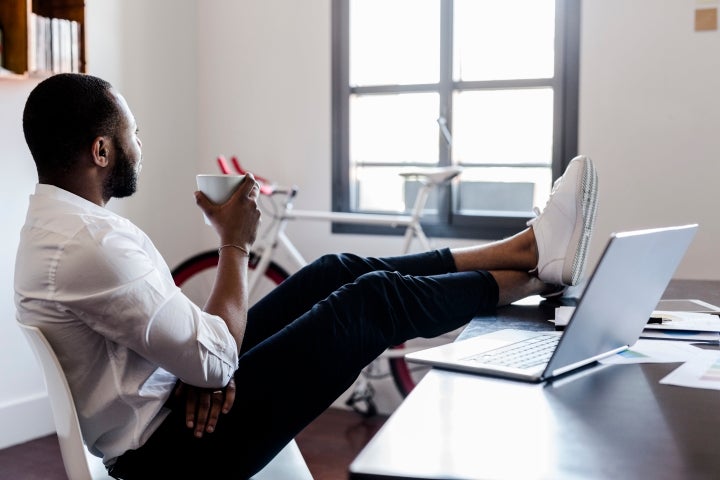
(401,374)
(195,276)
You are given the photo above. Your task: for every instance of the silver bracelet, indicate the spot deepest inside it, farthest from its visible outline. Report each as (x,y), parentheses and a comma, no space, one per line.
(242,249)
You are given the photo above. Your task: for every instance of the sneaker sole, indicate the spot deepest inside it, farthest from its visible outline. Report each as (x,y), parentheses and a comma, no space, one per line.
(585,218)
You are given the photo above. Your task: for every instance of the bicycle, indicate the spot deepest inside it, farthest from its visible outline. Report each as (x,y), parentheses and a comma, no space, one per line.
(196,274)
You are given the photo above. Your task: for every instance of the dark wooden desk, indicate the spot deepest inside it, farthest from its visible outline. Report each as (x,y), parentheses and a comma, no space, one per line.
(603,422)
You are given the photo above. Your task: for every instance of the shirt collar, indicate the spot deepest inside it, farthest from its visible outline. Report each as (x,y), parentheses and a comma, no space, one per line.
(44,190)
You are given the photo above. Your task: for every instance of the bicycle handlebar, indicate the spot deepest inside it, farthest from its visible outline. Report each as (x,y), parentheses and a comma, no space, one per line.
(266,187)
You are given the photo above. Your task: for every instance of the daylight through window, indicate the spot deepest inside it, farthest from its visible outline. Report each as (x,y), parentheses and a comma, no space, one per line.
(489,85)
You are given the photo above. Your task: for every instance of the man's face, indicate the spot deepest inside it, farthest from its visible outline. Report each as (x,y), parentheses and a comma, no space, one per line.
(127,154)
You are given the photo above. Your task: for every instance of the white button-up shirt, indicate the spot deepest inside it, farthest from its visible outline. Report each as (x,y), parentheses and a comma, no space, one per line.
(105,299)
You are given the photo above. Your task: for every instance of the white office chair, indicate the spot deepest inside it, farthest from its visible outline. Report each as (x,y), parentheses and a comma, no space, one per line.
(81,464)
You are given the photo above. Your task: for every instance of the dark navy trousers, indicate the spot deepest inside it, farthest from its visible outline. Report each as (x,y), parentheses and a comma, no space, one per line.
(305,344)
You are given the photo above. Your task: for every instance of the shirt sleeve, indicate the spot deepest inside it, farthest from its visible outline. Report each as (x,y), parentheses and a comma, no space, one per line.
(117,286)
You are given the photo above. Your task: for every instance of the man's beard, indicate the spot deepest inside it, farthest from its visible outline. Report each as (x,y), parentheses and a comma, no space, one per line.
(122,181)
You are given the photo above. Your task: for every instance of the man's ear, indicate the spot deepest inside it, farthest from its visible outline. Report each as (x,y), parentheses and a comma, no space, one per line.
(100,149)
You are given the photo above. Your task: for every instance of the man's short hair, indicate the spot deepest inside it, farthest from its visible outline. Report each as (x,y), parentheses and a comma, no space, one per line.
(63,115)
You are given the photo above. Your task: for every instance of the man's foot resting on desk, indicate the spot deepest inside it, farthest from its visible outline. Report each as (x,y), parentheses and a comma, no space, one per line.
(551,253)
(564,228)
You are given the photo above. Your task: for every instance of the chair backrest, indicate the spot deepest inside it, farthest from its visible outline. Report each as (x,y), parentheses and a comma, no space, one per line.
(79,463)
(289,464)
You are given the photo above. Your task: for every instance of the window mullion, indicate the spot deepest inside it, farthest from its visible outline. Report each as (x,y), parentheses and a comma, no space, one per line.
(567,58)
(446,81)
(445,199)
(341,105)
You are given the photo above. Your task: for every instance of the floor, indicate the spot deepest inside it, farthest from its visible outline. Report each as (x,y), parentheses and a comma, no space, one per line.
(329,445)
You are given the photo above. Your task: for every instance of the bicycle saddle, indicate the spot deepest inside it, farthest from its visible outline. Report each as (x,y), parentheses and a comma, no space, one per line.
(433,175)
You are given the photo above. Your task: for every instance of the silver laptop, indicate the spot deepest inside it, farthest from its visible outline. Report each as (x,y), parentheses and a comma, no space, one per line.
(619,297)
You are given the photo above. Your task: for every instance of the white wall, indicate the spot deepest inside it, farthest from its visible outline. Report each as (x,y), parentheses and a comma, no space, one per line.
(649,116)
(150,57)
(23,403)
(149,53)
(264,89)
(252,78)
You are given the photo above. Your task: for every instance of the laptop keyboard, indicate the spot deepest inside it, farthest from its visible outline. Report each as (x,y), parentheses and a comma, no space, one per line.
(523,354)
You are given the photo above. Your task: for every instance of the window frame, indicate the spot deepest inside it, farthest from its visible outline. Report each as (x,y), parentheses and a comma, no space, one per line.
(448,223)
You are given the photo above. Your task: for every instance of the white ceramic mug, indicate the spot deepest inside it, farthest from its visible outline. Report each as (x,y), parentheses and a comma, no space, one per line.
(218,188)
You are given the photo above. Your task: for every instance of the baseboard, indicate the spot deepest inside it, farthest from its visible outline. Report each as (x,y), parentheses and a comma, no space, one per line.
(25,420)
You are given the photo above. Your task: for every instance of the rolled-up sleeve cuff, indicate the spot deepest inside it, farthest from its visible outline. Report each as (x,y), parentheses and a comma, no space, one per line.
(193,345)
(220,350)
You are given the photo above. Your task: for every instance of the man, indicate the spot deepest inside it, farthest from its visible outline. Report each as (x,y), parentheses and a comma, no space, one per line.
(166,388)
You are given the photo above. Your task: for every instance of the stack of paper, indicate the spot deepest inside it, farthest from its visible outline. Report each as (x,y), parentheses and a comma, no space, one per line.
(667,325)
(692,326)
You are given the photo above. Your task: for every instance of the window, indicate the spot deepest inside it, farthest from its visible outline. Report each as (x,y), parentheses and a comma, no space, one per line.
(489,85)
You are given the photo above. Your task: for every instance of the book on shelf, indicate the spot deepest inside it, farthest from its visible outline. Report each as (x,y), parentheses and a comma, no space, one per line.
(54,45)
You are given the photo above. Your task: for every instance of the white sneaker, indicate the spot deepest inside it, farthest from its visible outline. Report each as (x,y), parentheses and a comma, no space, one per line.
(563,229)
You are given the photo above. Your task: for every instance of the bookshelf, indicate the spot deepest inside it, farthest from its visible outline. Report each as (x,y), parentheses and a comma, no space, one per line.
(18,30)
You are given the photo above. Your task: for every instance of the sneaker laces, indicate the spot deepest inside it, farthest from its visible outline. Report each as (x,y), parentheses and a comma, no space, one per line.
(536,211)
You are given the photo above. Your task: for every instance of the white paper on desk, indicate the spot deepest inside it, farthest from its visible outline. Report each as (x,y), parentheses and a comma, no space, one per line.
(672,320)
(701,371)
(690,321)
(711,337)
(654,351)
(562,316)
